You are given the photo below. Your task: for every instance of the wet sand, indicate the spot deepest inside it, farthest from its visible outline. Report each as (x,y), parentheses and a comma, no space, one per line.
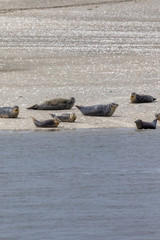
(96,51)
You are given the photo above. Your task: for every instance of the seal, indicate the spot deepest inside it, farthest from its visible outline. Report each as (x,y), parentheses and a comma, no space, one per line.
(9,112)
(98,110)
(136,98)
(65,117)
(51,123)
(146,125)
(55,104)
(157,115)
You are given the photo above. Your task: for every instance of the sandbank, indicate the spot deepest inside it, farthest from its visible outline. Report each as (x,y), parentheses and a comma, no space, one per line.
(96,51)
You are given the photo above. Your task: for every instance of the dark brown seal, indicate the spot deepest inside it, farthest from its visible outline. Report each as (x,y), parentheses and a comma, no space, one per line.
(137,98)
(55,104)
(99,110)
(51,123)
(146,125)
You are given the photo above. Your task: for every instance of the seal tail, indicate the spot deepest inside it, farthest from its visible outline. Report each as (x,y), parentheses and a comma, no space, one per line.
(33,107)
(79,107)
(52,115)
(154,99)
(36,122)
(33,119)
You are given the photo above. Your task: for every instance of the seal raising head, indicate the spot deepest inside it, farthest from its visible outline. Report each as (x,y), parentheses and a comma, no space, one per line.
(9,112)
(99,110)
(51,123)
(146,125)
(136,98)
(66,117)
(55,104)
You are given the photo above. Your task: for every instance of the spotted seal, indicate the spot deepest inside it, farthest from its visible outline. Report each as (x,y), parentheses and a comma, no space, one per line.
(136,98)
(9,112)
(157,115)
(98,110)
(55,104)
(146,125)
(65,117)
(51,123)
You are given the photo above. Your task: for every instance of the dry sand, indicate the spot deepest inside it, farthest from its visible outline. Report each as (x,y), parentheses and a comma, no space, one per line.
(98,53)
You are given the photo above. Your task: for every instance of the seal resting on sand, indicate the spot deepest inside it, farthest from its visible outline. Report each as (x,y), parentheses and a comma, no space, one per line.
(136,98)
(65,117)
(146,125)
(157,115)
(55,104)
(51,123)
(9,112)
(98,110)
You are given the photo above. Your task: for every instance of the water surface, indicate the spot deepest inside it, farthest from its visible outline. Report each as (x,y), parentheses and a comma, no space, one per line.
(82,184)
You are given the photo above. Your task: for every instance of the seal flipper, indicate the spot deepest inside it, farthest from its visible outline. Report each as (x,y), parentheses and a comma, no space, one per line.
(34,107)
(34,120)
(79,107)
(53,115)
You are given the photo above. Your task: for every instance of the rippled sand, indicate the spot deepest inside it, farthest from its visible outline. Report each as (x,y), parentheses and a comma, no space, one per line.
(98,53)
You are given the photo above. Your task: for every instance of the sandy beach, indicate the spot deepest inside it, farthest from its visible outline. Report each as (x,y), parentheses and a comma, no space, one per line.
(96,51)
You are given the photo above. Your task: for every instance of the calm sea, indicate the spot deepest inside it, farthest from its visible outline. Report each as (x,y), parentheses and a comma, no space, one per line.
(80,185)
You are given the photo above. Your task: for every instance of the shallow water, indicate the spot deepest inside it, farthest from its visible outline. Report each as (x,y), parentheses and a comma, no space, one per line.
(82,184)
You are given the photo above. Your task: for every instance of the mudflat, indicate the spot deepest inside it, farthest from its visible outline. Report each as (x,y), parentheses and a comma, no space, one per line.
(95,51)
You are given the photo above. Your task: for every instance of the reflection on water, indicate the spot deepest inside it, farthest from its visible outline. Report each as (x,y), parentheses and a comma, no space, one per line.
(82,184)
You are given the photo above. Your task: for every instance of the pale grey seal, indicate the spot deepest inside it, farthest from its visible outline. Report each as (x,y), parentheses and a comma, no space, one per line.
(65,117)
(136,98)
(9,112)
(55,104)
(99,110)
(146,125)
(51,123)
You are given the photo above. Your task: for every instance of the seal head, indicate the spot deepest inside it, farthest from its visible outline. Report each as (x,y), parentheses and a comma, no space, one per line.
(157,115)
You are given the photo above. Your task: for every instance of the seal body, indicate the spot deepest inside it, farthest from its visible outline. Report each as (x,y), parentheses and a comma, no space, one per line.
(146,125)
(136,98)
(9,112)
(66,117)
(55,104)
(51,123)
(99,110)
